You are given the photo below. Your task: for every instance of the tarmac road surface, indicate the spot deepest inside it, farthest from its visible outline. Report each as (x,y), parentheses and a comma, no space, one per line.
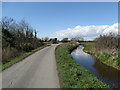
(39,70)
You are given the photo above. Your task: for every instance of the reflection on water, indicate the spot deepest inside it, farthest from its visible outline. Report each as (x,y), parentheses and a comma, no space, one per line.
(100,70)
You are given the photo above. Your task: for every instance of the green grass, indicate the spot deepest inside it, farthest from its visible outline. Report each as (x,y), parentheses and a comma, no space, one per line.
(88,46)
(72,75)
(18,58)
(105,57)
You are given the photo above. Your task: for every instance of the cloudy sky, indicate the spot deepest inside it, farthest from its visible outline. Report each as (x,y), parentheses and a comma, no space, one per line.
(88,32)
(66,19)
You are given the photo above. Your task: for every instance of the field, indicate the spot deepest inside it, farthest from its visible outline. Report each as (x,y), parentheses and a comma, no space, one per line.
(72,75)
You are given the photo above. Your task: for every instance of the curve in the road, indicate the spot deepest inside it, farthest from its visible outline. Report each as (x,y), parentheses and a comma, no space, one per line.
(37,71)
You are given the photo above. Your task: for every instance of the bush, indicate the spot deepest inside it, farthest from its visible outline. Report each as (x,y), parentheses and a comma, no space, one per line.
(107,43)
(8,53)
(17,38)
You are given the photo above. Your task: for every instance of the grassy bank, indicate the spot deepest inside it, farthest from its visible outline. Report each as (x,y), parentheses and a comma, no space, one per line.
(107,58)
(18,58)
(89,46)
(72,75)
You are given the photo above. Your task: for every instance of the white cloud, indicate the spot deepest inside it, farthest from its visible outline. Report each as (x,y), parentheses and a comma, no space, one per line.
(113,28)
(88,32)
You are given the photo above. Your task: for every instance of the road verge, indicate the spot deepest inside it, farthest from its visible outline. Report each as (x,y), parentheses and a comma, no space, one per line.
(19,58)
(71,74)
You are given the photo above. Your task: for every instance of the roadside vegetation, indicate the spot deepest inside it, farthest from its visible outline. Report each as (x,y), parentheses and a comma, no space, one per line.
(18,58)
(19,40)
(72,75)
(105,48)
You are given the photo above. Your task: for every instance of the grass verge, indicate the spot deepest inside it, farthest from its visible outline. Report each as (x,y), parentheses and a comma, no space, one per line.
(18,58)
(72,75)
(107,58)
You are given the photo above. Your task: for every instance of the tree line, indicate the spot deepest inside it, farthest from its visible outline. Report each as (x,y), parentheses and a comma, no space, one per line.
(17,37)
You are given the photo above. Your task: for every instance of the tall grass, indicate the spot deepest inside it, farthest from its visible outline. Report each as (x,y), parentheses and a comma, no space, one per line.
(8,53)
(18,58)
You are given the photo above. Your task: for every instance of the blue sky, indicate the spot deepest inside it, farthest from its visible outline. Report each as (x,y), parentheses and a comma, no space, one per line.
(51,17)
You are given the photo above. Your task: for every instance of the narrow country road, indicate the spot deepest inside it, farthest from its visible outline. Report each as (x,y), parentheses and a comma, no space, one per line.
(36,71)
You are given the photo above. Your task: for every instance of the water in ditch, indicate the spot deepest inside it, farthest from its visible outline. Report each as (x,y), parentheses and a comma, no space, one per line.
(103,72)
